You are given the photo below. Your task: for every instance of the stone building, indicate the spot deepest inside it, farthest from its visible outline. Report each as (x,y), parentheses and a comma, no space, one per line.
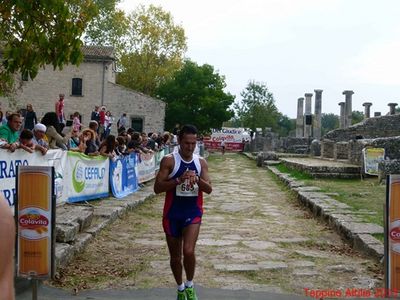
(89,84)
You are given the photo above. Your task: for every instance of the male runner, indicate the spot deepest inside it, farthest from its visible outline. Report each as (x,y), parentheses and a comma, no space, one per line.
(184,177)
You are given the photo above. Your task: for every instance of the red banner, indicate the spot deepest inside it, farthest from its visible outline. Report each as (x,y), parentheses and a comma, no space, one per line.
(235,147)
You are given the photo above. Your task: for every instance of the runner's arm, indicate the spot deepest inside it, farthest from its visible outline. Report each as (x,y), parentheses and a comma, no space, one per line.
(204,182)
(162,182)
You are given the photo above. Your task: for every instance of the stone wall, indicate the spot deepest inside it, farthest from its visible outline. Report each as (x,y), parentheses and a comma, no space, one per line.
(295,145)
(390,144)
(327,148)
(341,150)
(384,126)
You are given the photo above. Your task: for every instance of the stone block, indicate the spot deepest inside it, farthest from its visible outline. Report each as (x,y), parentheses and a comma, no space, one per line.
(66,233)
(71,214)
(63,254)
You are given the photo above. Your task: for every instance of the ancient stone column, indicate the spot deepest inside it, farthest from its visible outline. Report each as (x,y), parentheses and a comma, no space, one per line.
(308,116)
(317,114)
(367,110)
(348,106)
(300,118)
(342,114)
(377,114)
(392,110)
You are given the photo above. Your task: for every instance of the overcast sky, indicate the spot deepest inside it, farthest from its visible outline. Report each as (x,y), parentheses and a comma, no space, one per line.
(296,46)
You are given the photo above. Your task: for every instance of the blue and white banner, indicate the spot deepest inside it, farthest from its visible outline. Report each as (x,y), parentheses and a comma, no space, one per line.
(86,176)
(10,161)
(123,180)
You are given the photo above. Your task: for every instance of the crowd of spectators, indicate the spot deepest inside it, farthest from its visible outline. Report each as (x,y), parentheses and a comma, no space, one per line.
(21,130)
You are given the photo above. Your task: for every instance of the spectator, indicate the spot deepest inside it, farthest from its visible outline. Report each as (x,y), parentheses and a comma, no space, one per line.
(53,132)
(76,121)
(30,117)
(60,108)
(107,147)
(175,131)
(89,138)
(95,114)
(121,146)
(9,132)
(25,141)
(108,123)
(75,142)
(39,132)
(122,122)
(102,120)
(95,127)
(3,119)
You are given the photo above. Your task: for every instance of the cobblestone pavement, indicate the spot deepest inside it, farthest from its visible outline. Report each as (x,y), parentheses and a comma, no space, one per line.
(254,236)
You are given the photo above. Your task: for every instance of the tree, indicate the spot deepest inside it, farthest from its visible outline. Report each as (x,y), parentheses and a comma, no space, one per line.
(196,95)
(356,117)
(154,50)
(285,125)
(109,27)
(257,108)
(329,122)
(40,32)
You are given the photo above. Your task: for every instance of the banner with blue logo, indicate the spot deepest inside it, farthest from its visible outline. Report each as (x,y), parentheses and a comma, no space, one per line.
(123,180)
(86,176)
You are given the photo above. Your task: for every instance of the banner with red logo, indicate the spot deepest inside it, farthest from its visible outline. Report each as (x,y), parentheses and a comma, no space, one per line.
(35,215)
(392,236)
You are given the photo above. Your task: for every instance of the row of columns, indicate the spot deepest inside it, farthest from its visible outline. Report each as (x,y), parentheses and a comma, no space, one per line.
(308,125)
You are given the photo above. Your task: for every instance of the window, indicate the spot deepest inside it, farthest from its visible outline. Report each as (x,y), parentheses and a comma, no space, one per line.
(76,86)
(137,124)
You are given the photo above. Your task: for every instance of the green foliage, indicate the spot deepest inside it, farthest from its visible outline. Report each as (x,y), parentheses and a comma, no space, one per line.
(40,32)
(329,122)
(357,117)
(154,50)
(285,125)
(257,107)
(109,27)
(196,95)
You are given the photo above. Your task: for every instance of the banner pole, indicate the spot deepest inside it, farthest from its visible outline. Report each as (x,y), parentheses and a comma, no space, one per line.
(35,284)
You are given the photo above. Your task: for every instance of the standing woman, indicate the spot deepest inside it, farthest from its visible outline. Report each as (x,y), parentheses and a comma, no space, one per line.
(30,118)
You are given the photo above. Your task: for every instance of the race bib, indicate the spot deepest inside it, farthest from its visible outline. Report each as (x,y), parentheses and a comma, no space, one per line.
(185,190)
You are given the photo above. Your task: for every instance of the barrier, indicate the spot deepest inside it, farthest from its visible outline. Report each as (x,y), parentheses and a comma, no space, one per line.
(79,177)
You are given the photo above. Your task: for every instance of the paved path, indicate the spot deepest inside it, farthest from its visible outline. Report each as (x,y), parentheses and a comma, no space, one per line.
(255,241)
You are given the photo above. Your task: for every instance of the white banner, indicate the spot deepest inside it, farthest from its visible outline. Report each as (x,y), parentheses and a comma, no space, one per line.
(229,135)
(8,170)
(86,176)
(146,169)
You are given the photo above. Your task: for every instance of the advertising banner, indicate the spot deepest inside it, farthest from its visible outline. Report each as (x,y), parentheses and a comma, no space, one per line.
(392,234)
(146,169)
(372,157)
(8,170)
(228,146)
(123,178)
(86,176)
(35,215)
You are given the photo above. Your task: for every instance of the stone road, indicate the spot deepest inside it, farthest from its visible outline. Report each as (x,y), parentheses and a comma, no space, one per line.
(254,236)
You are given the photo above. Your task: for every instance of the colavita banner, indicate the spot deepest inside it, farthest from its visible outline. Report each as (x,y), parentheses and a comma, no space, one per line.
(392,238)
(234,139)
(86,176)
(35,215)
(123,179)
(372,157)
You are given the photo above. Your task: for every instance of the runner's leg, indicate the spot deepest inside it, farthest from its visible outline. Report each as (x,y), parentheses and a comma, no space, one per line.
(190,235)
(175,254)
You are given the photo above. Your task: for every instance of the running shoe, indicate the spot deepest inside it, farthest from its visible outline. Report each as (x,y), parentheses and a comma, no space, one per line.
(190,293)
(181,295)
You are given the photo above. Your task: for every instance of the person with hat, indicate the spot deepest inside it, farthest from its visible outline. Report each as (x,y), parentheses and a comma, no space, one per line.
(39,132)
